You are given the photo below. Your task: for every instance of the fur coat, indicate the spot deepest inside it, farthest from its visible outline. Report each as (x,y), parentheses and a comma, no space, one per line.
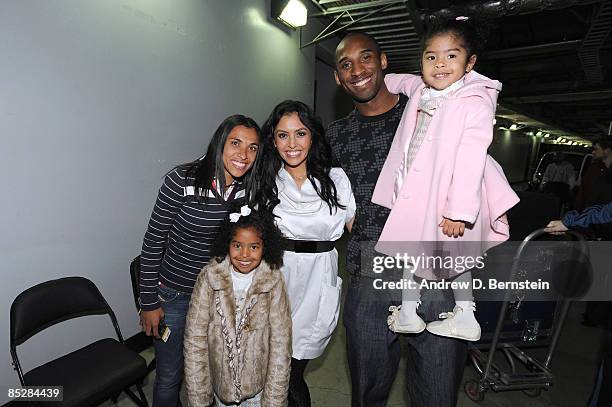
(237,361)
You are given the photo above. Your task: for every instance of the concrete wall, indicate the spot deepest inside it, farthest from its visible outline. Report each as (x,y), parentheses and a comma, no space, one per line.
(331,101)
(98,99)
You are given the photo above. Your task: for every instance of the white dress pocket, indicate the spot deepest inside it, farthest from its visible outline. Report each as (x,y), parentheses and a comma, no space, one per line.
(327,317)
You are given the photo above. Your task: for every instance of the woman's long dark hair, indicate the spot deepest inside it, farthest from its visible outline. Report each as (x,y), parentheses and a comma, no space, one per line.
(210,166)
(318,161)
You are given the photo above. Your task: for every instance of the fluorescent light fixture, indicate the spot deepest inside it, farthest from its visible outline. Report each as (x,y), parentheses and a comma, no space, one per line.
(292,13)
(546,135)
(513,127)
(539,133)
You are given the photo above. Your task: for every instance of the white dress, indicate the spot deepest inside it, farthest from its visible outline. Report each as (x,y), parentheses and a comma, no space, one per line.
(312,279)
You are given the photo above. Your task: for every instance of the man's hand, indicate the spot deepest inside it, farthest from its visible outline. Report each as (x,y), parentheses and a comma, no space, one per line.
(556,227)
(149,320)
(452,228)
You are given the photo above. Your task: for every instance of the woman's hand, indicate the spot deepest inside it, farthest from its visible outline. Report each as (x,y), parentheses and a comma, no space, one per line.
(556,227)
(452,228)
(149,320)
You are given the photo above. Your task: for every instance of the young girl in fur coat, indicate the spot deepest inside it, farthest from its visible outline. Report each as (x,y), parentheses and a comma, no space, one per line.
(238,334)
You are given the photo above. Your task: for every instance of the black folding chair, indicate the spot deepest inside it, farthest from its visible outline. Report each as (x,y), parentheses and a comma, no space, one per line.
(91,374)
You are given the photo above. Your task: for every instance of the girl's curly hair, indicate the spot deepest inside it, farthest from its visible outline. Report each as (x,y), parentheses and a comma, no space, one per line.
(263,223)
(470,28)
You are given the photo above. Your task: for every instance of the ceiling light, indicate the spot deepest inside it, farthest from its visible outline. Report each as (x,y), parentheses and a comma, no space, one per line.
(546,135)
(513,127)
(292,13)
(539,133)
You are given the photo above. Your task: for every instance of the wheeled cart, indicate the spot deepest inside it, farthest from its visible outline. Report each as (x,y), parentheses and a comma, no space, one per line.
(519,324)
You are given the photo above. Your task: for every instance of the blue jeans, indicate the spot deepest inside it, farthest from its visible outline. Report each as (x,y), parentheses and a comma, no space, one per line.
(594,401)
(435,364)
(169,355)
(602,392)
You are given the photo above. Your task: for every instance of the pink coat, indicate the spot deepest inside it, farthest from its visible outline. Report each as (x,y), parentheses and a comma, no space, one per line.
(452,175)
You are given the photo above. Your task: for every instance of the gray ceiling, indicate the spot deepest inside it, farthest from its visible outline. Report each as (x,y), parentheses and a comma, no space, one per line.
(553,56)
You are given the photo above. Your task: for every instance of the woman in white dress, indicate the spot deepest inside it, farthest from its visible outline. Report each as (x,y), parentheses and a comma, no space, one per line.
(312,202)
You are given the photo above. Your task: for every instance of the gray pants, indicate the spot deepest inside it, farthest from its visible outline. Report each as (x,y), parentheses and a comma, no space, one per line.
(435,364)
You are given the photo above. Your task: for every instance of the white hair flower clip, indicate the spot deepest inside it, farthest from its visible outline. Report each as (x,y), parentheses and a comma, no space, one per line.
(244,211)
(462,18)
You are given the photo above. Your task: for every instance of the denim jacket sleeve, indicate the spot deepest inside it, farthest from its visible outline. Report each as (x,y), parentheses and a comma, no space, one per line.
(593,215)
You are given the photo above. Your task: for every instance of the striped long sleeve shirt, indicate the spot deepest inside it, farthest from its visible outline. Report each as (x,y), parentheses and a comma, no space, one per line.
(180,235)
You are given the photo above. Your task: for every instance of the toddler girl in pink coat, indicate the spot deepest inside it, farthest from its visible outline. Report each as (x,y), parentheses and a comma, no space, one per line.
(438,179)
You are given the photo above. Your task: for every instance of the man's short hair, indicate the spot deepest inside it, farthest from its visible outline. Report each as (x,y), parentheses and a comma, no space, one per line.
(605,142)
(363,34)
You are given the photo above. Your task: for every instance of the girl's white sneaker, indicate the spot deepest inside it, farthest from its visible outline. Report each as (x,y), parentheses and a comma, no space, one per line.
(456,324)
(413,325)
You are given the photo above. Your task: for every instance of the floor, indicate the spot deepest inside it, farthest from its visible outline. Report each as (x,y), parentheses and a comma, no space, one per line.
(574,365)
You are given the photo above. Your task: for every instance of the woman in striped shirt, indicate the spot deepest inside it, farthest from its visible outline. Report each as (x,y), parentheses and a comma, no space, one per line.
(192,203)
